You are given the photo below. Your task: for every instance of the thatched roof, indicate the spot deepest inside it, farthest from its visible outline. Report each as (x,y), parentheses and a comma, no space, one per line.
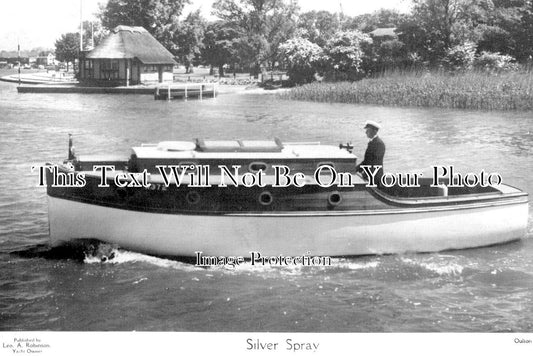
(384,32)
(126,42)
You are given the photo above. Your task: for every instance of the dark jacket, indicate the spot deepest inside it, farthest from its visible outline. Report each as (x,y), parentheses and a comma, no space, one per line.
(375,151)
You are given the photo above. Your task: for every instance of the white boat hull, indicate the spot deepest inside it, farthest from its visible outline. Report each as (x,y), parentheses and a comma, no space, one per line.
(327,234)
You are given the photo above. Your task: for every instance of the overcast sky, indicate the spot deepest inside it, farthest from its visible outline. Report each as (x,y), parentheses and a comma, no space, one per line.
(38,23)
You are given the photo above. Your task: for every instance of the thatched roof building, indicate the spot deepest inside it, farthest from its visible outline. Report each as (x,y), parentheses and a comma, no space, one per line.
(129,55)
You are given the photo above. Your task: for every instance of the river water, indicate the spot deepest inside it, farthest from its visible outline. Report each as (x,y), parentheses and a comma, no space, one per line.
(476,290)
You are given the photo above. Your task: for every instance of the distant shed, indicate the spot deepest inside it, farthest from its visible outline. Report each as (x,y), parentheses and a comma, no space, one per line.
(384,32)
(129,55)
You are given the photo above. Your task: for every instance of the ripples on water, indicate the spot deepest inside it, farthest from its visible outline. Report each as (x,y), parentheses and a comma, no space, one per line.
(487,289)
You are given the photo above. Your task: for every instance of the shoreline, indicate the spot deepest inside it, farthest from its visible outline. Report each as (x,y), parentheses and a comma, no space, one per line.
(42,82)
(470,91)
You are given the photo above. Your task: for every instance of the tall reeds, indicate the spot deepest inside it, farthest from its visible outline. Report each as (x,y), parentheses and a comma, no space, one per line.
(467,90)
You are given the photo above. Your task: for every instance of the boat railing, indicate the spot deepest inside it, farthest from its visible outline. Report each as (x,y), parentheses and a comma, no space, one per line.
(435,198)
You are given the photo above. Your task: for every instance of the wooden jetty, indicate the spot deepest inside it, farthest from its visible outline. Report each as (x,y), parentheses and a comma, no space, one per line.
(185,90)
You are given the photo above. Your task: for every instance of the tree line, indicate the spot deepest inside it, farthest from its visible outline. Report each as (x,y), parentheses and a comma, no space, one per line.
(251,35)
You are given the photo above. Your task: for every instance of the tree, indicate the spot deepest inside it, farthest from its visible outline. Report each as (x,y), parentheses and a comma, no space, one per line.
(262,25)
(318,26)
(524,51)
(159,17)
(188,39)
(384,55)
(499,32)
(219,45)
(435,26)
(68,47)
(302,58)
(382,18)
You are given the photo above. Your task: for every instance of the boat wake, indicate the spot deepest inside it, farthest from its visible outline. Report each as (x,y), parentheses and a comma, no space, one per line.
(353,264)
(403,267)
(96,252)
(441,265)
(119,256)
(103,253)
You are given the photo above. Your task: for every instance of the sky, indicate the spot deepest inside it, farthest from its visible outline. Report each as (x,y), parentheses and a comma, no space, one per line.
(38,23)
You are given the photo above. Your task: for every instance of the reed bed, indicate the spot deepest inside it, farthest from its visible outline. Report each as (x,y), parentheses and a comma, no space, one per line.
(470,90)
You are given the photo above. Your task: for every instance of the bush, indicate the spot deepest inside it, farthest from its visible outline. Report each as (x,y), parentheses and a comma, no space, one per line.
(302,58)
(344,55)
(495,62)
(460,57)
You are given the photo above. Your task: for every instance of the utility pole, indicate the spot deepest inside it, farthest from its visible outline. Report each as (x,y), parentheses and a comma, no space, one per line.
(341,13)
(81,25)
(81,38)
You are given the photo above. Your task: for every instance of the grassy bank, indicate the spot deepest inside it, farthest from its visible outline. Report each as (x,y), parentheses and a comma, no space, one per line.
(472,90)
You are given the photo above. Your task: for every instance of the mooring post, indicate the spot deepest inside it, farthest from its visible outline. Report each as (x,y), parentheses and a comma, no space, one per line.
(186,85)
(169,98)
(214,90)
(201,86)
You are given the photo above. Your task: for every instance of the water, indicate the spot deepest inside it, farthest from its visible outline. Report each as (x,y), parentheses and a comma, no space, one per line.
(477,290)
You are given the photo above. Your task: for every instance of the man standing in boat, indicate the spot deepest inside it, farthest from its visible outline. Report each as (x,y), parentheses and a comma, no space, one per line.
(375,151)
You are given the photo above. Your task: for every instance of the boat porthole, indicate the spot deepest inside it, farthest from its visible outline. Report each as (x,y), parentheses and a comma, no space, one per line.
(334,199)
(192,197)
(265,198)
(255,167)
(186,165)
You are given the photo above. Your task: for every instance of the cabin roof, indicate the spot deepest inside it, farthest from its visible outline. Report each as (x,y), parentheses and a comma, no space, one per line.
(127,42)
(289,150)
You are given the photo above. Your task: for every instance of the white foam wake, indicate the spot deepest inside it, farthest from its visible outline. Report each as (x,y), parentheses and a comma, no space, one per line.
(441,265)
(117,256)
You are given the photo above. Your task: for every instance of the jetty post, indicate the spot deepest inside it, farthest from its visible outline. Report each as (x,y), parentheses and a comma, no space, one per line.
(18,57)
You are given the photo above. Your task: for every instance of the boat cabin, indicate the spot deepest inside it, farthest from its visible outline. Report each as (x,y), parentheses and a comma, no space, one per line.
(251,155)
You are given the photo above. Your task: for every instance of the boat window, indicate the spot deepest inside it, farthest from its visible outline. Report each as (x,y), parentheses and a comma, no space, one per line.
(334,198)
(320,164)
(193,197)
(255,167)
(265,198)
